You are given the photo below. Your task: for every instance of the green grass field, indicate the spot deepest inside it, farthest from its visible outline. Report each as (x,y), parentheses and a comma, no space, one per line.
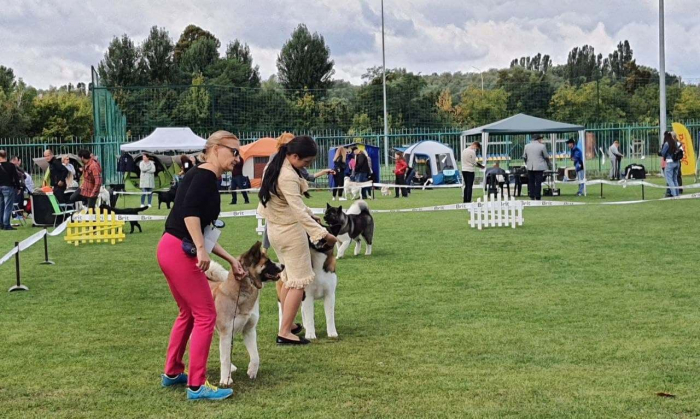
(585,311)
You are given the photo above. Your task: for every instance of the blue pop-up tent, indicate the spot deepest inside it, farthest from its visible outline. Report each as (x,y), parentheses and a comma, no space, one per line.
(372,151)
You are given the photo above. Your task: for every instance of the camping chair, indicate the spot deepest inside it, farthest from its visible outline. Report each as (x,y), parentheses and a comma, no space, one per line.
(18,213)
(59,210)
(495,181)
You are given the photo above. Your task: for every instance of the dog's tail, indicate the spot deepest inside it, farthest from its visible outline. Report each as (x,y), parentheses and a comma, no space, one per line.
(216,272)
(358,207)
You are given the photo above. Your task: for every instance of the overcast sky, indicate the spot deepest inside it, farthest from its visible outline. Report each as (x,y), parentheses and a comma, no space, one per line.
(51,42)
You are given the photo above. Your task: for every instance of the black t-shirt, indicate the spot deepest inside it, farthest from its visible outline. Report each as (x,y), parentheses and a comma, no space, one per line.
(8,175)
(197,196)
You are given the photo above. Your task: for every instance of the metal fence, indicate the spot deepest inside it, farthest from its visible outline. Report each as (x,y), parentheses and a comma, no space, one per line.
(30,150)
(639,143)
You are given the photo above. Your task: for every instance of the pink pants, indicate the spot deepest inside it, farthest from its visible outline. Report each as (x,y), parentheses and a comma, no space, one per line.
(197,317)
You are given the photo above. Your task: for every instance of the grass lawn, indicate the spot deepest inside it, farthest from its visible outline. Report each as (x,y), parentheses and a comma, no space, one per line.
(585,311)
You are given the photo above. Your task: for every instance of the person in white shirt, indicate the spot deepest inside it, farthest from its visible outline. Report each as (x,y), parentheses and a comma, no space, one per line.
(469,164)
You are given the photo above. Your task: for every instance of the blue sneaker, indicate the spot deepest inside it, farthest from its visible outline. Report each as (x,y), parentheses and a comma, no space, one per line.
(209,392)
(179,379)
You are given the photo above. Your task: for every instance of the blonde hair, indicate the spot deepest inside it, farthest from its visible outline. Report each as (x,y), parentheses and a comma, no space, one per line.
(341,152)
(216,138)
(283,139)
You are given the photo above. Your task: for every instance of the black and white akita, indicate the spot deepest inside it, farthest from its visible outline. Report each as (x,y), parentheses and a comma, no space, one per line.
(356,223)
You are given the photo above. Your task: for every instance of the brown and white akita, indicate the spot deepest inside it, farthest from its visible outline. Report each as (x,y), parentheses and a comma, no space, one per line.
(238,306)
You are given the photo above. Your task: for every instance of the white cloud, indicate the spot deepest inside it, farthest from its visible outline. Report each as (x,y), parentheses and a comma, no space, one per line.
(52,42)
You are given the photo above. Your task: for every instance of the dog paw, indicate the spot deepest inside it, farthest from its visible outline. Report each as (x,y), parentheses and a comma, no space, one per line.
(333,335)
(226,382)
(310,335)
(252,371)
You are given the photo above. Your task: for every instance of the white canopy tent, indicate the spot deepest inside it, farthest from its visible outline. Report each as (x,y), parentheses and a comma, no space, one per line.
(525,124)
(439,155)
(167,139)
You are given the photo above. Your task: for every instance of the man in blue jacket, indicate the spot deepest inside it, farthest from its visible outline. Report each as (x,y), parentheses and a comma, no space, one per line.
(577,159)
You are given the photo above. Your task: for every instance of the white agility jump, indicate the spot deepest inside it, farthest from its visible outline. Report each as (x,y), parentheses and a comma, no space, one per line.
(496,212)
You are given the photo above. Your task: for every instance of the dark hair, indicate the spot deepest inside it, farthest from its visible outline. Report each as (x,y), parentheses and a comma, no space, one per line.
(302,146)
(571,141)
(668,139)
(84,154)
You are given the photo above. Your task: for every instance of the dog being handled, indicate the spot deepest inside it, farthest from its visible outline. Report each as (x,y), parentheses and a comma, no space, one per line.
(323,287)
(357,223)
(238,306)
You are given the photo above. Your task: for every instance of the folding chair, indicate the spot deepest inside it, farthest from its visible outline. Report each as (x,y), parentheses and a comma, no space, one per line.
(18,214)
(59,210)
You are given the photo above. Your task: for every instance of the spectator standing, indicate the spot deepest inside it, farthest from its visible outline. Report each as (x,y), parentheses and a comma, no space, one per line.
(147,179)
(400,175)
(536,162)
(577,159)
(9,183)
(469,165)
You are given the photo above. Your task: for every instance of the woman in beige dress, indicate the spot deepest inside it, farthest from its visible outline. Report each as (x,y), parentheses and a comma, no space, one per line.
(290,225)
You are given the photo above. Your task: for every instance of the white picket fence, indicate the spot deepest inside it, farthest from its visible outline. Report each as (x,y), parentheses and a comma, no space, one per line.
(496,212)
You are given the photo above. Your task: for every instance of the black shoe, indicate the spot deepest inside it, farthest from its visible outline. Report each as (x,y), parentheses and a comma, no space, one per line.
(247,202)
(298,329)
(9,228)
(232,203)
(285,341)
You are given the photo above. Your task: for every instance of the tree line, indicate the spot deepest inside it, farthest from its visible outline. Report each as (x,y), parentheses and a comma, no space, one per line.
(161,82)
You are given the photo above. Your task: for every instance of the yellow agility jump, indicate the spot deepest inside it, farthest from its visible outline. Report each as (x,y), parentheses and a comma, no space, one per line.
(101,226)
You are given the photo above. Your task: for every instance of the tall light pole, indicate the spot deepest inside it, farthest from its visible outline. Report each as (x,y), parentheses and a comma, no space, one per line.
(386,121)
(482,77)
(662,74)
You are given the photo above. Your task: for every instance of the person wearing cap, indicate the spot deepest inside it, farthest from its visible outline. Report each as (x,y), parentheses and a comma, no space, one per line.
(536,162)
(577,159)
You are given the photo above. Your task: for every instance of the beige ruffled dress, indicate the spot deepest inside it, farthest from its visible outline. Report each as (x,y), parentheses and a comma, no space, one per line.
(289,221)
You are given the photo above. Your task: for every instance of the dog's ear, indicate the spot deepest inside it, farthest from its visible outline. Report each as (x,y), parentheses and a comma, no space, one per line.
(340,209)
(328,206)
(255,252)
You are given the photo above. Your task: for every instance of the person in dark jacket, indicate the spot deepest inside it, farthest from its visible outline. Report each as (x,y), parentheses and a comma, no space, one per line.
(9,183)
(577,160)
(238,181)
(363,171)
(58,174)
(339,166)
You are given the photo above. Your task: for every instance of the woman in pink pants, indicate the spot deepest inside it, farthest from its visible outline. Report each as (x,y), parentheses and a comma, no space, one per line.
(183,259)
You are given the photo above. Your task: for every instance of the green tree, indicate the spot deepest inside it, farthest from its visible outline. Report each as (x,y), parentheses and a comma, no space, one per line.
(202,54)
(63,114)
(157,51)
(304,62)
(688,106)
(583,65)
(528,91)
(194,107)
(539,63)
(16,110)
(591,102)
(122,64)
(190,35)
(618,63)
(479,107)
(7,79)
